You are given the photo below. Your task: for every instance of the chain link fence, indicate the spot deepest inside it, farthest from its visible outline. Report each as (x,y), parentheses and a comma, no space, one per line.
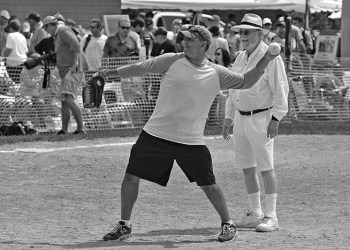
(318,91)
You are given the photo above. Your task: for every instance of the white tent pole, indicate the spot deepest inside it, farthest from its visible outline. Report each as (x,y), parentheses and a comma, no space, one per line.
(345,31)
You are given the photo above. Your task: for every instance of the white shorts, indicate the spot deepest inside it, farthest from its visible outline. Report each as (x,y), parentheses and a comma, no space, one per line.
(252,147)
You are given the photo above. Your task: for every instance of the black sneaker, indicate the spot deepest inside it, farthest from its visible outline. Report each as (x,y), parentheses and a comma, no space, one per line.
(77,132)
(228,232)
(118,232)
(61,132)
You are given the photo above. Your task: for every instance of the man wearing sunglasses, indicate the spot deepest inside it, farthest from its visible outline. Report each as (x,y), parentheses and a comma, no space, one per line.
(121,44)
(255,114)
(174,132)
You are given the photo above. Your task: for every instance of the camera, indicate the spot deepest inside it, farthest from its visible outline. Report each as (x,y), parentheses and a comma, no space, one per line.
(33,62)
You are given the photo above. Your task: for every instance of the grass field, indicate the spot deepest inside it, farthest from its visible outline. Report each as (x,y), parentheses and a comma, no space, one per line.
(68,197)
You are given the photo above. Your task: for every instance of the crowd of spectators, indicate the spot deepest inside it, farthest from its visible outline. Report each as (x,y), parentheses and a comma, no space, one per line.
(137,38)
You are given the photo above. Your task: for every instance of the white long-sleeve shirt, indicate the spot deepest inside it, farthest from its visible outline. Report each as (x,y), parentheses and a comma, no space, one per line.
(270,91)
(186,94)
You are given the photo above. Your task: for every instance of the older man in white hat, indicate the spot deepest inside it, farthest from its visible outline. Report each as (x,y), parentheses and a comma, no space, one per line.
(255,114)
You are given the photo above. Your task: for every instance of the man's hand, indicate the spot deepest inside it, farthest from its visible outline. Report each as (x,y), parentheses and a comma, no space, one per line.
(272,129)
(226,129)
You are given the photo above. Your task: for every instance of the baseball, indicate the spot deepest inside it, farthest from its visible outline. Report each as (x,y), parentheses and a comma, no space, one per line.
(274,48)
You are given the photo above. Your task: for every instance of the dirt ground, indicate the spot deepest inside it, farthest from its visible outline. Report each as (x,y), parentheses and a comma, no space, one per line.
(68,197)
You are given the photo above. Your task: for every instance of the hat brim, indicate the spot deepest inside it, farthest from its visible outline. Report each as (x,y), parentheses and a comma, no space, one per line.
(248,27)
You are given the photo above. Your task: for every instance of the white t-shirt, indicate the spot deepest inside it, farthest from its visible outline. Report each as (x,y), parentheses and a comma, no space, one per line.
(18,43)
(93,52)
(186,94)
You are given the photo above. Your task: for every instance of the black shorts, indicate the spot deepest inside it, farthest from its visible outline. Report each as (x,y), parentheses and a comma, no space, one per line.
(152,159)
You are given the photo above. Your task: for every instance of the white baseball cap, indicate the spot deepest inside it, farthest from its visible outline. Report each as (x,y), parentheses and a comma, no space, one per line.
(267,20)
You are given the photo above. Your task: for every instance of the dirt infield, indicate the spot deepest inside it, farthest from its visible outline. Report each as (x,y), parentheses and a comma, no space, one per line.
(68,197)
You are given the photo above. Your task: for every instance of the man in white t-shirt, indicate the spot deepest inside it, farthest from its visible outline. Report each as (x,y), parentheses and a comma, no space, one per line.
(175,129)
(92,46)
(15,50)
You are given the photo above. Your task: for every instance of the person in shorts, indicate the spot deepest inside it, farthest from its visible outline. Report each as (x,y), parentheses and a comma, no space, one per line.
(175,129)
(255,114)
(67,48)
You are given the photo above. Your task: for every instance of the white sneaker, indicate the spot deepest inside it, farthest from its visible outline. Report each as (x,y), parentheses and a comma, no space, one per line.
(249,220)
(267,225)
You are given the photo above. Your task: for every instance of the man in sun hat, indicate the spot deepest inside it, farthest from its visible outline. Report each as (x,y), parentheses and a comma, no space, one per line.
(174,131)
(255,114)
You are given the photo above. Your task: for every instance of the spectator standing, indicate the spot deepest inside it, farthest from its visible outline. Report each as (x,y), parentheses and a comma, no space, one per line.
(175,128)
(162,44)
(121,44)
(296,43)
(92,46)
(176,27)
(138,24)
(67,50)
(4,21)
(26,32)
(307,38)
(38,32)
(149,27)
(216,21)
(267,25)
(216,112)
(217,42)
(15,50)
(256,120)
(233,41)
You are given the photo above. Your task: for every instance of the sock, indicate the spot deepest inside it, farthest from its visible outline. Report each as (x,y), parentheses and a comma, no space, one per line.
(271,200)
(255,204)
(126,222)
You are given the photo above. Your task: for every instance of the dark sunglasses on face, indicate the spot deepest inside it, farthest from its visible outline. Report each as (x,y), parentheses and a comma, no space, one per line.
(217,54)
(124,28)
(246,32)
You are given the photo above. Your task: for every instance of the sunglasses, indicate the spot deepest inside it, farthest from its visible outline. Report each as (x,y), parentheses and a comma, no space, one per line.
(124,28)
(217,54)
(247,32)
(192,29)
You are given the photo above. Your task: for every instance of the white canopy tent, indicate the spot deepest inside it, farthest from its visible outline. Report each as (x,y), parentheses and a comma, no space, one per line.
(199,5)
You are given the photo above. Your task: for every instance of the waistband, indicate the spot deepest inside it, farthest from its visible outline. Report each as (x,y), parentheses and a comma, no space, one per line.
(252,112)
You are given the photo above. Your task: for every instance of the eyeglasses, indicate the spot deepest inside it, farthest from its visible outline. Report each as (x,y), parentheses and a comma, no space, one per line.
(124,28)
(247,32)
(217,54)
(267,24)
(93,27)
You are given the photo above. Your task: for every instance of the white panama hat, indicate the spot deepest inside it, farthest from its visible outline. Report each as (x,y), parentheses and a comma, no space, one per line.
(250,22)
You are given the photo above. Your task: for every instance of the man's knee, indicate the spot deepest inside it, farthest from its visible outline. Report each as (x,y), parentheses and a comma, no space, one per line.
(250,172)
(210,188)
(132,179)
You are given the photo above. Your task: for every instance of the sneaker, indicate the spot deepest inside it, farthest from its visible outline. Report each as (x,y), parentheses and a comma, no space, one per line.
(228,232)
(267,225)
(118,232)
(76,132)
(61,132)
(249,220)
